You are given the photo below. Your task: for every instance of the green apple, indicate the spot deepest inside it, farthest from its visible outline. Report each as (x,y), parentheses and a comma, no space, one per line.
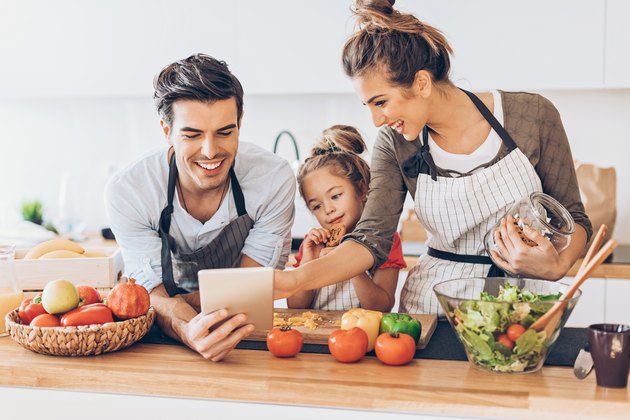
(60,296)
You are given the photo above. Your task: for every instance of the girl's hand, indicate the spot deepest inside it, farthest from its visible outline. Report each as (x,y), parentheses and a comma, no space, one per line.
(536,261)
(314,242)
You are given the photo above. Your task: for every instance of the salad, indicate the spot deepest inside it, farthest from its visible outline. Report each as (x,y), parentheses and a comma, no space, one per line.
(495,329)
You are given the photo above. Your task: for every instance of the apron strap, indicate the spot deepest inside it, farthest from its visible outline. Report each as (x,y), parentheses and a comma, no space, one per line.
(496,126)
(494,271)
(237,193)
(422,162)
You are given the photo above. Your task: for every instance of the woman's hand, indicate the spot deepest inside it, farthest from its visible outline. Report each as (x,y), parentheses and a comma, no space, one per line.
(313,244)
(215,345)
(536,261)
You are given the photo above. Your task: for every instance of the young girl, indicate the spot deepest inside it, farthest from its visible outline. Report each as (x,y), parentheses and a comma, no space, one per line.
(334,183)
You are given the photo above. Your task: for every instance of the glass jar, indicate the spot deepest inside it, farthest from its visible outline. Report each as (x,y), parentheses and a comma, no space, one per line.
(543,213)
(10,294)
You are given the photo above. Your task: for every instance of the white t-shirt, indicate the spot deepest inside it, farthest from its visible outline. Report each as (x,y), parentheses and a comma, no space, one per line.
(137,194)
(487,151)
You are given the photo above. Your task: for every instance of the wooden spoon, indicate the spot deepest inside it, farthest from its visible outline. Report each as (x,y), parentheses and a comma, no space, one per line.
(550,319)
(597,241)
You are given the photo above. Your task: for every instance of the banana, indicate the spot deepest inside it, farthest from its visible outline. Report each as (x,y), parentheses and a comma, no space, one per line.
(94,254)
(53,245)
(60,253)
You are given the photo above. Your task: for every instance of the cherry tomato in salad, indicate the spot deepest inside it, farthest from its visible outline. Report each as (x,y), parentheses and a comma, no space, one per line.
(514,331)
(395,348)
(505,340)
(284,341)
(45,320)
(348,346)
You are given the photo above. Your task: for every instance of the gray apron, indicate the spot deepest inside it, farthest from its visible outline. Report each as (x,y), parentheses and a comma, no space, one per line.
(224,251)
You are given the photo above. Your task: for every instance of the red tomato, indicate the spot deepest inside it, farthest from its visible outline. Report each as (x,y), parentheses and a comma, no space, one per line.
(96,313)
(514,331)
(29,310)
(348,346)
(45,320)
(284,341)
(395,348)
(88,295)
(505,340)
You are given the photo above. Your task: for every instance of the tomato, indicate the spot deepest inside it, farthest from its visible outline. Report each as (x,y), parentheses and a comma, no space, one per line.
(284,341)
(29,310)
(88,295)
(505,340)
(45,320)
(96,313)
(348,346)
(395,348)
(514,331)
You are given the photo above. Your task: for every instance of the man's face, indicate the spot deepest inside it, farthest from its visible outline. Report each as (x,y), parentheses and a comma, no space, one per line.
(205,139)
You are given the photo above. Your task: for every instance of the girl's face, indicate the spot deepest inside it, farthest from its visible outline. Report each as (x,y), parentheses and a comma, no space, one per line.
(404,110)
(332,199)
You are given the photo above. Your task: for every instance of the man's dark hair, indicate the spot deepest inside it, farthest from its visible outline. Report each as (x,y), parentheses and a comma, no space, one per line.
(199,77)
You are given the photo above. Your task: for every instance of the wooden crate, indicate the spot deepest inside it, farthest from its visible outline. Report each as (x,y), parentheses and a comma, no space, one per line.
(101,272)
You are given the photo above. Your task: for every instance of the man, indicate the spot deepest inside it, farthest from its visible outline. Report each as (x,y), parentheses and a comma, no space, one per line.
(203,202)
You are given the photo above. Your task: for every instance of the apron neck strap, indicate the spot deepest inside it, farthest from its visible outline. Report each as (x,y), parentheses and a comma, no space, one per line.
(496,126)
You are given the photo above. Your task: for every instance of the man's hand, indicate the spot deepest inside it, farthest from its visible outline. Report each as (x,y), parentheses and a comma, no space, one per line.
(215,345)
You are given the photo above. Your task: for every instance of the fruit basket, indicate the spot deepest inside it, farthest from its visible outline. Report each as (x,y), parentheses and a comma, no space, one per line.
(88,340)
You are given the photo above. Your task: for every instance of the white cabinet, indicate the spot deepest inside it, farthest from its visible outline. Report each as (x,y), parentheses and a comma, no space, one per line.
(591,307)
(538,44)
(292,46)
(617,64)
(618,301)
(111,48)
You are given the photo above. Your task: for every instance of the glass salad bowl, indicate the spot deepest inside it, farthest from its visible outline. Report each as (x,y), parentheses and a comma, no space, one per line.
(491,317)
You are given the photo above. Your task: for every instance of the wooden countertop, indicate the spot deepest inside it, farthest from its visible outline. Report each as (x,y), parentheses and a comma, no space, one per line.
(424,386)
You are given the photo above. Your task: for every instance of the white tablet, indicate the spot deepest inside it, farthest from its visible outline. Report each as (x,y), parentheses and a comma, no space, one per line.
(239,290)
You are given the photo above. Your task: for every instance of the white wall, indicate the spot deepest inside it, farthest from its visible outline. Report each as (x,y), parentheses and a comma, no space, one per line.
(43,138)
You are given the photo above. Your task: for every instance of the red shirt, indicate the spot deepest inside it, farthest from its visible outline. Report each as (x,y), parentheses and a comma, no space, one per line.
(395,259)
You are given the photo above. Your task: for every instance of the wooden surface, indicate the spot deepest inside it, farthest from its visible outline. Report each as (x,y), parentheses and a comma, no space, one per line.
(331,321)
(423,386)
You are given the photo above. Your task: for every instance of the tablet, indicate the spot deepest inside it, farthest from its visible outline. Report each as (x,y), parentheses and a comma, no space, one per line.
(239,290)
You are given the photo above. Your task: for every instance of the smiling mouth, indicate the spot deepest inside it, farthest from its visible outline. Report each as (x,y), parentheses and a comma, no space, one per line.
(337,220)
(398,125)
(210,166)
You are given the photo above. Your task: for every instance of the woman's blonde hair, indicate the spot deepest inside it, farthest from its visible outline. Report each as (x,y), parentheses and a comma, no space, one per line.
(338,150)
(397,43)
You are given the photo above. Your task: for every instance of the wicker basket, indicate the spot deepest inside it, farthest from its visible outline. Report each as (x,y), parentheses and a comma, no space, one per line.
(85,340)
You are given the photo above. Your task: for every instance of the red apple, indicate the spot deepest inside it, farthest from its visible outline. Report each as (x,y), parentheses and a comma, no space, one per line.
(88,295)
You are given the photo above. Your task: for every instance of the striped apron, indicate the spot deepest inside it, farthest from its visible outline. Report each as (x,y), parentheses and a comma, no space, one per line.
(224,251)
(457,213)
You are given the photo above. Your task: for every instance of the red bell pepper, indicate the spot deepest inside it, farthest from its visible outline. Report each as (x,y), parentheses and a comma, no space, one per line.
(96,313)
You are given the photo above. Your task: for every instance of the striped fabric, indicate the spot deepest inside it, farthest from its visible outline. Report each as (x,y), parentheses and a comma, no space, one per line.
(457,213)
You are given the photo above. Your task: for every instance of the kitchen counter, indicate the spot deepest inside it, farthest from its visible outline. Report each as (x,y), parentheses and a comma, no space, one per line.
(317,380)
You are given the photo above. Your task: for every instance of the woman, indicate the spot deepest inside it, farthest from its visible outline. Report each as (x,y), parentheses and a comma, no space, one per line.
(464,158)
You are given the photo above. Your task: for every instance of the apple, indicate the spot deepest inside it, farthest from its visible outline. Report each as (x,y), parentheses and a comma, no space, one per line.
(88,295)
(60,296)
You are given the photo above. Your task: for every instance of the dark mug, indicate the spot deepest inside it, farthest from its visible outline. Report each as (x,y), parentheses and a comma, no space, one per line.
(610,349)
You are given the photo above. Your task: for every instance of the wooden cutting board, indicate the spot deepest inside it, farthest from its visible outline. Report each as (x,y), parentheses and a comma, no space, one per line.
(331,321)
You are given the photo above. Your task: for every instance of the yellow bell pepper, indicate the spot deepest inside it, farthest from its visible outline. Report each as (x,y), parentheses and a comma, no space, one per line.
(368,321)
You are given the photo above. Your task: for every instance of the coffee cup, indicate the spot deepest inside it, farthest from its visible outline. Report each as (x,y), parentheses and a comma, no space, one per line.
(610,349)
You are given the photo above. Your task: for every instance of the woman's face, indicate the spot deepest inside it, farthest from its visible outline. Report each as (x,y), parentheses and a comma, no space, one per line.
(403,109)
(332,199)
